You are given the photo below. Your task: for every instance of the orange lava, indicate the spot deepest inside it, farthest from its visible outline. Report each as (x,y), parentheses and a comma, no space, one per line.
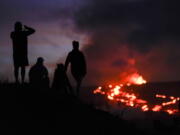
(135,78)
(118,94)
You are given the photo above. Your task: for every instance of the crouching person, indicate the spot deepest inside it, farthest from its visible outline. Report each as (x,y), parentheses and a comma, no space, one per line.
(38,75)
(61,82)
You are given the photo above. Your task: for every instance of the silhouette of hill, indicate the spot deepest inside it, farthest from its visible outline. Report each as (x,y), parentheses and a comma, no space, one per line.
(29,111)
(45,112)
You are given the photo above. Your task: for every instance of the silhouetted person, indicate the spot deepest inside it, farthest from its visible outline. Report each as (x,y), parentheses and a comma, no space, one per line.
(78,64)
(20,51)
(61,82)
(38,75)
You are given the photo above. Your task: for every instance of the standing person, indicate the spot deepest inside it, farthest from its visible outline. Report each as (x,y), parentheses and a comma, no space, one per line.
(20,49)
(38,75)
(78,65)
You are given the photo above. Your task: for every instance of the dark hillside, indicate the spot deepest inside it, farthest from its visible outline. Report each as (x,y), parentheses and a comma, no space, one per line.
(30,111)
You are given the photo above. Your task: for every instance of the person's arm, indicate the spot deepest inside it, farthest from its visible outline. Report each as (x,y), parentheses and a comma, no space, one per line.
(67,62)
(29,30)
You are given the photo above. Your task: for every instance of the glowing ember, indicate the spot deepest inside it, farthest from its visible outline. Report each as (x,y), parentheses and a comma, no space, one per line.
(145,108)
(169,103)
(110,86)
(173,111)
(160,96)
(157,108)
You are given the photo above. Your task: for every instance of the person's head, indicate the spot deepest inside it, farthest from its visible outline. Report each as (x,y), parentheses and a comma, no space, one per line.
(40,61)
(18,26)
(75,45)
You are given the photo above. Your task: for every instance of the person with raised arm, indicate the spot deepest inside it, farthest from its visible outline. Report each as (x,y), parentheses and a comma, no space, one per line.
(20,49)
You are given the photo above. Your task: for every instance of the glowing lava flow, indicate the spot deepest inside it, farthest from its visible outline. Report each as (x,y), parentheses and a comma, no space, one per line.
(118,94)
(135,79)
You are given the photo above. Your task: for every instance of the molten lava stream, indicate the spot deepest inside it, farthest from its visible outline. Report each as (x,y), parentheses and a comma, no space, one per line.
(118,94)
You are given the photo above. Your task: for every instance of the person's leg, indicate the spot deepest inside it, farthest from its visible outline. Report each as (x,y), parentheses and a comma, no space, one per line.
(78,82)
(16,72)
(23,71)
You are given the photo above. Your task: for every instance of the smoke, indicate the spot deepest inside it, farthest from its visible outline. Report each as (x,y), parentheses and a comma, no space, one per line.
(131,36)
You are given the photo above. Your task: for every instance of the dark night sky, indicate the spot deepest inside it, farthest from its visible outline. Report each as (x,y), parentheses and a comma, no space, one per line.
(118,37)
